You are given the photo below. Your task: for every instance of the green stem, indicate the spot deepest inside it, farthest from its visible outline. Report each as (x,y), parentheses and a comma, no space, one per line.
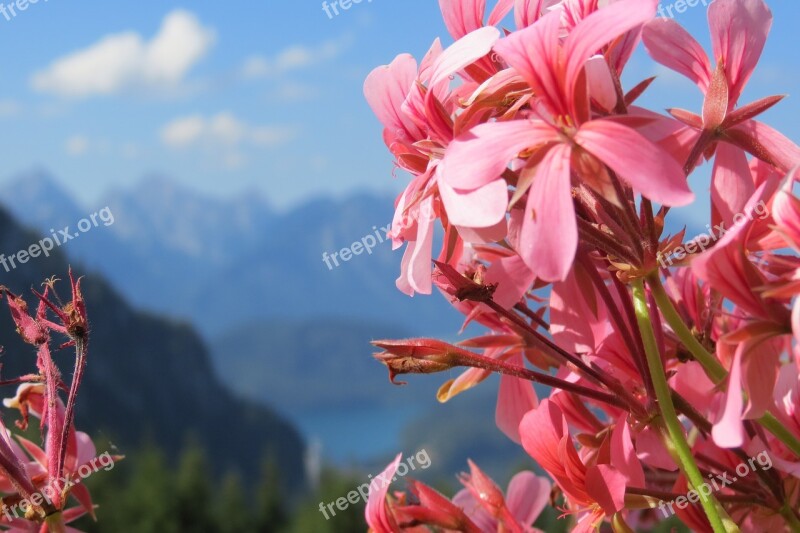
(791,518)
(55,523)
(774,426)
(711,364)
(674,428)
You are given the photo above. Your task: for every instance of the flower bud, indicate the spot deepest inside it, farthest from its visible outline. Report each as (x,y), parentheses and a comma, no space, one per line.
(416,356)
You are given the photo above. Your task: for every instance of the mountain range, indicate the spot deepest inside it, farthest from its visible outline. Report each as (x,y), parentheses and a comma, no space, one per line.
(170,249)
(283,329)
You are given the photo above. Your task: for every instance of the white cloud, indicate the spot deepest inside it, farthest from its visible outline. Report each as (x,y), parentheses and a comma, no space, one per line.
(77,145)
(81,145)
(223,129)
(126,60)
(227,129)
(183,131)
(295,57)
(291,92)
(267,136)
(255,67)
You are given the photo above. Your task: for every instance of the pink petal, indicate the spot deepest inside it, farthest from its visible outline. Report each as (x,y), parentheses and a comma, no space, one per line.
(668,43)
(607,486)
(526,12)
(620,51)
(514,400)
(482,154)
(483,207)
(464,52)
(600,28)
(589,522)
(650,449)
(601,84)
(731,184)
(414,105)
(692,382)
(416,269)
(548,253)
(784,152)
(378,517)
(513,279)
(488,235)
(386,88)
(534,53)
(81,493)
(527,496)
(462,16)
(726,266)
(739,30)
(500,10)
(577,323)
(421,270)
(86,449)
(648,168)
(728,431)
(623,454)
(796,320)
(760,372)
(475,511)
(786,210)
(35,452)
(541,431)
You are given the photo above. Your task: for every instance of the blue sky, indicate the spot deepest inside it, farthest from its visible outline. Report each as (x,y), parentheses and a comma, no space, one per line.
(231,96)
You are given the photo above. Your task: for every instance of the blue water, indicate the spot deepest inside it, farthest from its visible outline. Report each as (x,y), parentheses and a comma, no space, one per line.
(356,435)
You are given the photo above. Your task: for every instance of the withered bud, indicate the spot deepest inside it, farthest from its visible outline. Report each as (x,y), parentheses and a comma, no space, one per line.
(416,356)
(464,288)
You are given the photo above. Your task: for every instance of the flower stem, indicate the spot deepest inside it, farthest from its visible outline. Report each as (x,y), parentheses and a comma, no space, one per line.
(669,417)
(791,518)
(55,523)
(774,426)
(69,411)
(473,360)
(592,373)
(712,366)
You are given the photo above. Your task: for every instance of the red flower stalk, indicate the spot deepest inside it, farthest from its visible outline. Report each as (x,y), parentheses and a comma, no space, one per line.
(44,489)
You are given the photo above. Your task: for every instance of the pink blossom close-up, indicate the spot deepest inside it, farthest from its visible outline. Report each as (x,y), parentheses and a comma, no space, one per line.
(669,363)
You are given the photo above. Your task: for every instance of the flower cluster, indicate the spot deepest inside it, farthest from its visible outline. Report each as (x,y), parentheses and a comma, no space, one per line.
(36,482)
(553,189)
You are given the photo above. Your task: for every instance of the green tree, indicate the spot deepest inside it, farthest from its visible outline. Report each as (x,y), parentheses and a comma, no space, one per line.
(193,492)
(270,512)
(333,485)
(232,510)
(137,495)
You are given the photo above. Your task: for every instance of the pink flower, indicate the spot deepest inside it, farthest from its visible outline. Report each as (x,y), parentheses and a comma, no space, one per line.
(516,511)
(564,143)
(465,16)
(378,512)
(544,174)
(739,30)
(596,490)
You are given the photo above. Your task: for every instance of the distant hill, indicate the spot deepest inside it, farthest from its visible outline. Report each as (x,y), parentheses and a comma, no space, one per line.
(223,263)
(464,428)
(299,366)
(149,377)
